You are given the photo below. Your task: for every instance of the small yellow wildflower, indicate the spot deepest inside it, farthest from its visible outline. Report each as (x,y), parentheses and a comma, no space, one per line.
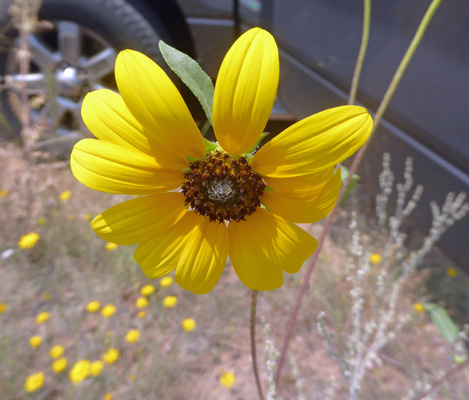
(170,301)
(34,382)
(166,281)
(41,221)
(3,307)
(108,311)
(132,336)
(96,367)
(35,341)
(65,195)
(87,216)
(189,324)
(93,306)
(227,379)
(107,396)
(452,272)
(59,365)
(111,356)
(42,317)
(4,192)
(375,258)
(419,308)
(147,290)
(459,358)
(46,296)
(56,351)
(141,302)
(142,314)
(80,371)
(111,246)
(28,241)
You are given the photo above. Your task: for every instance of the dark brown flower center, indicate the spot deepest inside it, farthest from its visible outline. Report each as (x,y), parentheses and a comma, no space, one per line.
(222,188)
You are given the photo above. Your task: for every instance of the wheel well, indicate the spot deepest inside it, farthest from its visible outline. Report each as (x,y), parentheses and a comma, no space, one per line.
(160,13)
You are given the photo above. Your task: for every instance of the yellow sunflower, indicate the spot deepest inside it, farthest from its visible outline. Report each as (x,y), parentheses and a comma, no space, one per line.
(199,206)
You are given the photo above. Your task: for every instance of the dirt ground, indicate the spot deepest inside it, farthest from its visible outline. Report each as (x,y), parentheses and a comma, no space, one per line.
(221,340)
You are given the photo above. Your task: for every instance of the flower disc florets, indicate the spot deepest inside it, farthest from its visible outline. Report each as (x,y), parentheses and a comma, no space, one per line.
(222,188)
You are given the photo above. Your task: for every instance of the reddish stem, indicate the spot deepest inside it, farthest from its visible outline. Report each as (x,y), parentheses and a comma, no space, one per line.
(312,262)
(442,379)
(356,162)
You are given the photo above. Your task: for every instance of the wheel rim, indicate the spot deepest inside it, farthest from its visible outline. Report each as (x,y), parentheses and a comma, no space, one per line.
(67,61)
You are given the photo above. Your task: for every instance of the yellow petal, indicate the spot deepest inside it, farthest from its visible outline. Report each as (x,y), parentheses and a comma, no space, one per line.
(197,249)
(204,255)
(114,169)
(108,118)
(315,143)
(157,104)
(159,256)
(264,245)
(308,204)
(140,219)
(312,183)
(245,91)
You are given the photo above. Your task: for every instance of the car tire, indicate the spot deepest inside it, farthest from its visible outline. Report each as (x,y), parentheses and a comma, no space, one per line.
(113,23)
(115,20)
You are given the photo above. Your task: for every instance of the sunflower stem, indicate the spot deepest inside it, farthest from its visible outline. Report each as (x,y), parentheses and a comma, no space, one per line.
(253,343)
(356,162)
(362,51)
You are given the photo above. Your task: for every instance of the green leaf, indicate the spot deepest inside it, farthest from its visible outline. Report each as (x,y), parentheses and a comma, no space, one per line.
(344,173)
(193,76)
(442,321)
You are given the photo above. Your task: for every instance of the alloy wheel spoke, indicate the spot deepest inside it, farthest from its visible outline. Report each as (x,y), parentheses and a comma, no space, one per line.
(76,112)
(41,55)
(57,109)
(100,64)
(60,74)
(66,105)
(36,83)
(69,38)
(42,114)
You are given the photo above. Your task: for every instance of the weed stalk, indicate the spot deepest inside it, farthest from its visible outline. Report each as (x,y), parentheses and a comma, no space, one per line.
(356,162)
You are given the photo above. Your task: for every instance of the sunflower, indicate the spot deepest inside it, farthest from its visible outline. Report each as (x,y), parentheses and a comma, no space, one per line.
(198,205)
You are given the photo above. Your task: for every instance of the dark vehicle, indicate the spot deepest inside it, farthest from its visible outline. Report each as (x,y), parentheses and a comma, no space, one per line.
(428,117)
(75,53)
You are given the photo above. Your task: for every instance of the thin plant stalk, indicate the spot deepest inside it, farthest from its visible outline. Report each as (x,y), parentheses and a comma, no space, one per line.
(356,162)
(24,58)
(362,52)
(205,127)
(24,25)
(253,344)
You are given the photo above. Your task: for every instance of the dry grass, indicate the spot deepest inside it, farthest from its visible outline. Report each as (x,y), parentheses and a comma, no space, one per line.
(70,267)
